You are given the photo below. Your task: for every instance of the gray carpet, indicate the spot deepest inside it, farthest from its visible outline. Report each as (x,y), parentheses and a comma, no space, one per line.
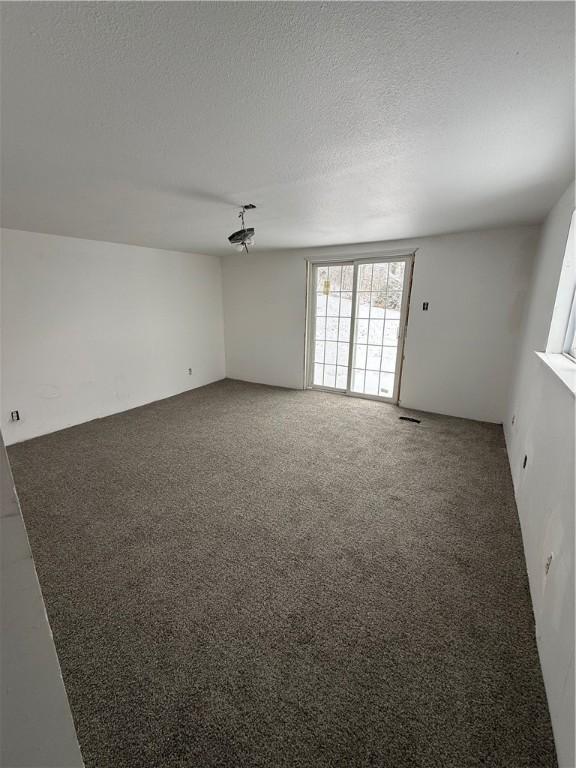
(249,576)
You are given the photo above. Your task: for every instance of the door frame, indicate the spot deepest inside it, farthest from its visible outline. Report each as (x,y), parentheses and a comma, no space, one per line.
(408,258)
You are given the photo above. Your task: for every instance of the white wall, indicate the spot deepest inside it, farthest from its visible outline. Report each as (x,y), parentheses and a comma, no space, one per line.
(543,430)
(265,318)
(36,724)
(459,354)
(92,328)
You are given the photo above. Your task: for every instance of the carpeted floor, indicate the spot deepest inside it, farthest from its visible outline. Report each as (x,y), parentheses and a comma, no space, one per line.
(249,576)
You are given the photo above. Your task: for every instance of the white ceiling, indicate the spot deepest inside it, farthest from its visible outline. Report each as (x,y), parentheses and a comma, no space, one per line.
(149,122)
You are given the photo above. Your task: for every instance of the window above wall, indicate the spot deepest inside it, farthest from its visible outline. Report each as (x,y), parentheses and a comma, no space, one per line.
(570,340)
(563,325)
(560,354)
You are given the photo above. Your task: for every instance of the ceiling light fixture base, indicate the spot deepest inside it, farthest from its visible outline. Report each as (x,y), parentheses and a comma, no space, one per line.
(245,236)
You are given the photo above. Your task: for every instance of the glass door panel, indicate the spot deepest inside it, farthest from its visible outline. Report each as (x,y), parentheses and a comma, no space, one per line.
(379,289)
(333,286)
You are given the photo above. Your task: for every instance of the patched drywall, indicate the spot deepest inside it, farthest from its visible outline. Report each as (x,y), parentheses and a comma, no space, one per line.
(148,123)
(92,328)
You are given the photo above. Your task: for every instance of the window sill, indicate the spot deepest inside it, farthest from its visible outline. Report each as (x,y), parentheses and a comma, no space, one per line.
(562,367)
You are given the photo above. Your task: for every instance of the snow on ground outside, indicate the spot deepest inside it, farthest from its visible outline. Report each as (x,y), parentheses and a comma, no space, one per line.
(376,336)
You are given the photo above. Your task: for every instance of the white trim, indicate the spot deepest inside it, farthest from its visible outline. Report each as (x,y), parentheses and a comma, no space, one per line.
(562,367)
(308,323)
(407,295)
(365,257)
(403,325)
(379,398)
(351,350)
(337,390)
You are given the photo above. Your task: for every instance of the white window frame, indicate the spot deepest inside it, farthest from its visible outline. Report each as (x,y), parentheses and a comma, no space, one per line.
(569,349)
(563,322)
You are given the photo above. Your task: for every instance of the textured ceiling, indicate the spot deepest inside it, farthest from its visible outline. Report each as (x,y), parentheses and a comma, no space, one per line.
(148,122)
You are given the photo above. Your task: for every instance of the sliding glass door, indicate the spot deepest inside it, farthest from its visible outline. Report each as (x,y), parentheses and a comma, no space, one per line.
(356,324)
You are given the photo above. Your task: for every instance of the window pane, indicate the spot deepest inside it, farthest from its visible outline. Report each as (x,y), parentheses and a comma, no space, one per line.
(344,329)
(346,304)
(333,304)
(335,275)
(365,277)
(357,380)
(393,301)
(321,276)
(371,382)
(329,375)
(319,352)
(377,305)
(342,377)
(360,356)
(332,329)
(320,304)
(380,277)
(362,331)
(343,353)
(375,331)
(388,359)
(363,304)
(391,331)
(396,276)
(331,352)
(347,277)
(320,327)
(318,375)
(570,340)
(373,358)
(386,384)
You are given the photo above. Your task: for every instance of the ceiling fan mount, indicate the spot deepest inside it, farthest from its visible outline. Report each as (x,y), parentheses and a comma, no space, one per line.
(244,237)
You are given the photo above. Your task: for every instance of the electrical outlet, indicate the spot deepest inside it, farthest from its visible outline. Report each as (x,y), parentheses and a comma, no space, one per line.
(189,371)
(525,462)
(425,306)
(14,416)
(514,419)
(548,563)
